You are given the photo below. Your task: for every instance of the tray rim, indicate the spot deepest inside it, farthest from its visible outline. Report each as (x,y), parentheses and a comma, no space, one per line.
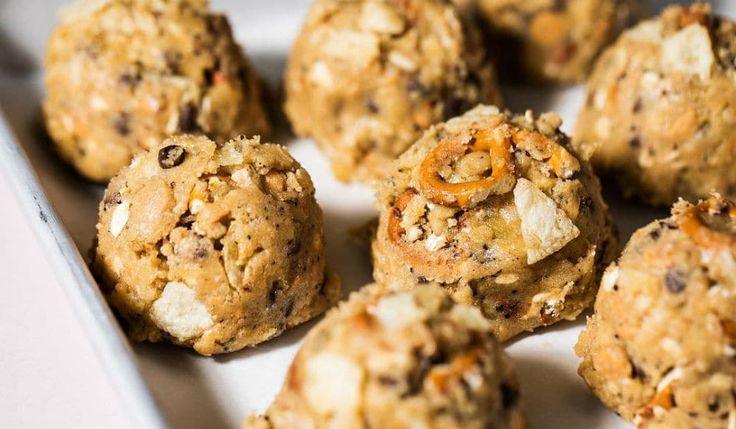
(111,346)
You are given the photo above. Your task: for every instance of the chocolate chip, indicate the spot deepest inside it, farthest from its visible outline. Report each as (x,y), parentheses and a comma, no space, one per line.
(509,396)
(674,281)
(173,61)
(713,405)
(288,309)
(121,123)
(273,292)
(171,156)
(508,308)
(548,314)
(112,199)
(637,106)
(293,247)
(586,203)
(130,79)
(415,85)
(635,143)
(636,372)
(188,114)
(372,106)
(387,380)
(200,251)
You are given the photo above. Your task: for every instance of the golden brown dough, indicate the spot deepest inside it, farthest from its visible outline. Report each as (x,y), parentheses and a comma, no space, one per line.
(367,77)
(121,75)
(213,247)
(660,347)
(660,112)
(398,361)
(498,210)
(553,40)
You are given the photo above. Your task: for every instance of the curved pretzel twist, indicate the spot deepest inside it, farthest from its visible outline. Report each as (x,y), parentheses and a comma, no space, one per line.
(499,142)
(692,223)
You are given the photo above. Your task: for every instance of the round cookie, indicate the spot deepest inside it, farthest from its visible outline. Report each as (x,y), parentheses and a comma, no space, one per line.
(498,210)
(553,40)
(367,77)
(217,247)
(122,75)
(408,360)
(659,110)
(660,347)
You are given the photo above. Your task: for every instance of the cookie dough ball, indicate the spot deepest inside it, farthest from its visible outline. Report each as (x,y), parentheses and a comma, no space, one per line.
(213,247)
(660,109)
(497,210)
(121,75)
(552,40)
(660,348)
(408,360)
(367,77)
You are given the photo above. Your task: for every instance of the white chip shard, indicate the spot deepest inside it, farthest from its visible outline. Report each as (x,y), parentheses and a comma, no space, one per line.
(179,312)
(648,31)
(435,242)
(397,311)
(332,386)
(344,44)
(81,9)
(610,277)
(119,218)
(545,228)
(469,317)
(689,51)
(381,18)
(321,75)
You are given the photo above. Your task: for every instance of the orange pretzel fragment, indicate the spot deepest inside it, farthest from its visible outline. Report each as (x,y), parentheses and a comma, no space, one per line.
(500,142)
(467,194)
(691,221)
(543,148)
(417,255)
(442,377)
(394,217)
(664,399)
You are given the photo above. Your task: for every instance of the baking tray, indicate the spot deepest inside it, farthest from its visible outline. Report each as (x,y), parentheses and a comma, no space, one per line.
(169,387)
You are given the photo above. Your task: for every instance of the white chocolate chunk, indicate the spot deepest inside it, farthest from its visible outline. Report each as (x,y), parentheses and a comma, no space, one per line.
(435,242)
(320,75)
(469,317)
(81,9)
(179,312)
(119,218)
(689,51)
(545,228)
(345,44)
(397,311)
(381,18)
(242,177)
(402,61)
(332,385)
(230,154)
(610,277)
(648,31)
(669,378)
